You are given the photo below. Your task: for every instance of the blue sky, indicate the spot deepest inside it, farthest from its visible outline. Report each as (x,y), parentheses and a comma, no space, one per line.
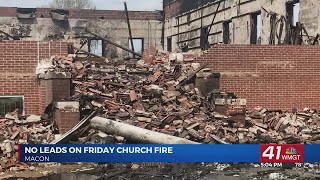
(100,4)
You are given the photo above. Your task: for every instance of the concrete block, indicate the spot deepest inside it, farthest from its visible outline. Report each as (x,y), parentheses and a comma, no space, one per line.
(43,66)
(219,101)
(58,75)
(180,57)
(242,102)
(172,57)
(68,106)
(195,65)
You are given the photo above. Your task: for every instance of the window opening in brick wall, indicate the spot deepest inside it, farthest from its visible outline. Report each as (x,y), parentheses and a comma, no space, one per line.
(293,12)
(10,104)
(226,32)
(96,46)
(169,44)
(138,44)
(256,27)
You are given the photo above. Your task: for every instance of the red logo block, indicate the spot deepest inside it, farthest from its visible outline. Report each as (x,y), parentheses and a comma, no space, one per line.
(284,153)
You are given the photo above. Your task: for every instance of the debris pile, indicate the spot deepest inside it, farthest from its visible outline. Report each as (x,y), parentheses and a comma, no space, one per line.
(16,130)
(161,96)
(161,56)
(285,127)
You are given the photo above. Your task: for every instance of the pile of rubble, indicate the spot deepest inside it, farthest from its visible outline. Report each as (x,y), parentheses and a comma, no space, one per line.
(169,95)
(285,127)
(16,130)
(162,96)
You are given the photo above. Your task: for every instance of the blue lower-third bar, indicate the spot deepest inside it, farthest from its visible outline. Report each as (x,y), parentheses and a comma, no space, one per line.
(138,153)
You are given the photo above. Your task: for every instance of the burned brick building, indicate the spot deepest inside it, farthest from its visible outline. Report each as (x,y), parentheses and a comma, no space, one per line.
(44,24)
(181,25)
(205,22)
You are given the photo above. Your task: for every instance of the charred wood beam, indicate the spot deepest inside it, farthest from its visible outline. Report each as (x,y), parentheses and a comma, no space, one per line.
(189,77)
(71,134)
(129,27)
(86,52)
(273,25)
(215,23)
(245,2)
(197,9)
(80,47)
(213,19)
(305,31)
(113,43)
(10,36)
(297,34)
(315,41)
(163,29)
(204,16)
(83,37)
(199,47)
(198,37)
(282,24)
(192,30)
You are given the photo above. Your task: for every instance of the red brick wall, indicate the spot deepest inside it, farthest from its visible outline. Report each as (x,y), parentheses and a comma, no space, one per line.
(277,77)
(18,61)
(89,14)
(59,90)
(66,119)
(55,90)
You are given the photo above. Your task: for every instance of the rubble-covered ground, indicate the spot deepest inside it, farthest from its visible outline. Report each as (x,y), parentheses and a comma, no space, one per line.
(161,96)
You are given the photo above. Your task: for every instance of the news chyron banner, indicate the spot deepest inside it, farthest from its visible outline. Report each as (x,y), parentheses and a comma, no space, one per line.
(267,154)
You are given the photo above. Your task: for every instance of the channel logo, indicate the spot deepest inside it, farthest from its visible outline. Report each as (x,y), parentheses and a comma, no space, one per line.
(291,151)
(281,153)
